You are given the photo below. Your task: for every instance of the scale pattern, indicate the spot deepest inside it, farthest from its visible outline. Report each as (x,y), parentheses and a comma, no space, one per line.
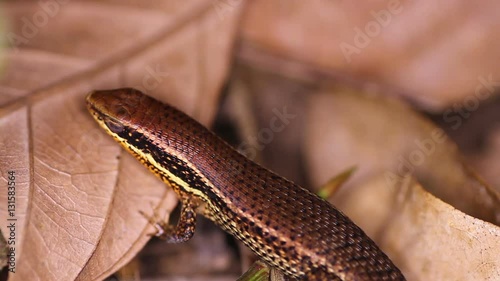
(286,225)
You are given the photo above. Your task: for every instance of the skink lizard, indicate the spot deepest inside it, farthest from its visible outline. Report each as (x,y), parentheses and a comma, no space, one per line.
(287,226)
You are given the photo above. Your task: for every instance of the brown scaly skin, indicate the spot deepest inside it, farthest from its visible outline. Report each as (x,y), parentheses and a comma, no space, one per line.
(284,224)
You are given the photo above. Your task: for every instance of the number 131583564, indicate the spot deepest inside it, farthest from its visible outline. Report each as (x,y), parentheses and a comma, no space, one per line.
(11,219)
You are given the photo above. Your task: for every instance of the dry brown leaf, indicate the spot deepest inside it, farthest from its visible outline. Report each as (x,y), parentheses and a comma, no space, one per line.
(78,195)
(426,237)
(384,136)
(442,242)
(436,53)
(387,141)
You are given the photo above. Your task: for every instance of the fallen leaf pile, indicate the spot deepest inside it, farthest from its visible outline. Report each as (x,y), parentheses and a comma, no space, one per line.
(406,92)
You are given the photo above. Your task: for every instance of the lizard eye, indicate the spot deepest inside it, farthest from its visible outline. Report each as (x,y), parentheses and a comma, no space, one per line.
(122,113)
(114,126)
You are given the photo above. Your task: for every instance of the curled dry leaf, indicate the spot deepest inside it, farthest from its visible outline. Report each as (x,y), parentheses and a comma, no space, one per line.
(387,141)
(453,46)
(426,237)
(78,196)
